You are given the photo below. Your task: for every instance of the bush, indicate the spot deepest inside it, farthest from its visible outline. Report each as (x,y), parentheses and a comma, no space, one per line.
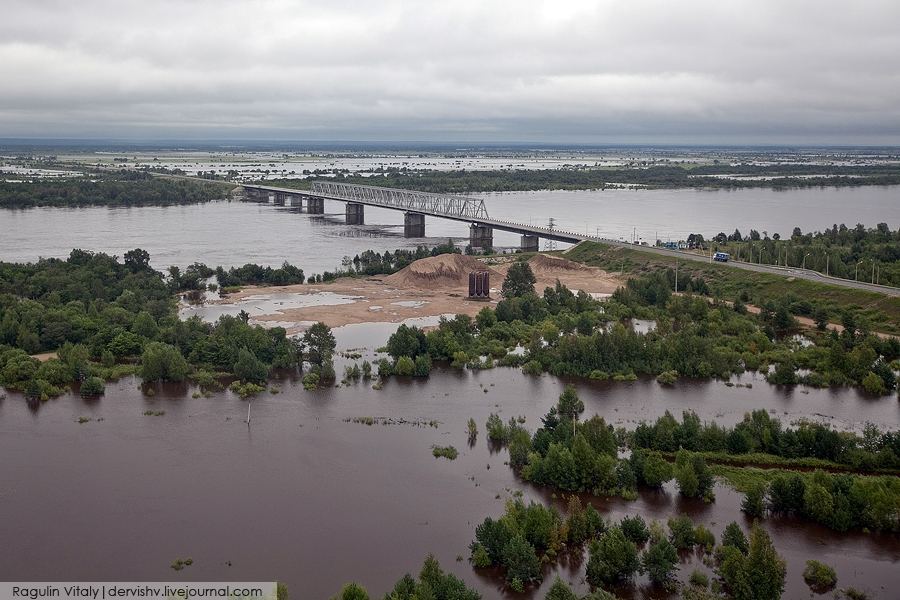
(681,532)
(699,579)
(311,381)
(874,384)
(614,559)
(532,367)
(659,561)
(162,362)
(92,386)
(819,576)
(249,368)
(635,529)
(667,377)
(404,366)
(444,451)
(753,503)
(423,365)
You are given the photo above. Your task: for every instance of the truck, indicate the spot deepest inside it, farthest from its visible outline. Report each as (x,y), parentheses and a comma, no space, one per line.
(721,256)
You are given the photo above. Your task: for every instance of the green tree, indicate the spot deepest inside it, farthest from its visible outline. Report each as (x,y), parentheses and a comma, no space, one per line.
(734,536)
(635,529)
(406,341)
(319,343)
(659,561)
(560,590)
(753,503)
(145,325)
(137,259)
(613,559)
(656,471)
(404,366)
(162,362)
(520,560)
(92,386)
(519,280)
(249,368)
(765,567)
(352,591)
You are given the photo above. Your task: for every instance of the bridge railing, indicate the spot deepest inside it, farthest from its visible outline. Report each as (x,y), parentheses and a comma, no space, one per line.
(411,200)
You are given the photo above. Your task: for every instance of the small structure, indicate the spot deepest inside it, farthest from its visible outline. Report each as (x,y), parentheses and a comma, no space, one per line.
(479,285)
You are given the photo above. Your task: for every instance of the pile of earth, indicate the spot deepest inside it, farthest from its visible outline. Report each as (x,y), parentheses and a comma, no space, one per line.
(445,271)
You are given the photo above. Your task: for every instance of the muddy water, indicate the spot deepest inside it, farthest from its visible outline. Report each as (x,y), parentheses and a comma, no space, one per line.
(305,497)
(227,234)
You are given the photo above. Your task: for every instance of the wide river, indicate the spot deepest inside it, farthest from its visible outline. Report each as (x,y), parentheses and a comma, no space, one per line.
(233,233)
(304,496)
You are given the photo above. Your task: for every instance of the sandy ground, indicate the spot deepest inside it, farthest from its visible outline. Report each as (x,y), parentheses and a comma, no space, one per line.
(430,287)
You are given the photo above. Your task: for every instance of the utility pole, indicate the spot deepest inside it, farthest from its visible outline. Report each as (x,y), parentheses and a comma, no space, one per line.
(826,263)
(873,270)
(856,277)
(676,275)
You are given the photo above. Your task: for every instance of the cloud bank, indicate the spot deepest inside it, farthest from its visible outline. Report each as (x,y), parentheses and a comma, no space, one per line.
(695,71)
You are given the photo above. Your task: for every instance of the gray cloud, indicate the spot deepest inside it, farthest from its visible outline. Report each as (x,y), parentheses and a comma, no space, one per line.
(581,71)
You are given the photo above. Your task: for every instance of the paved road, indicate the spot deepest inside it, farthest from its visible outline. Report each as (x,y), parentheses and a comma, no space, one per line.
(783,271)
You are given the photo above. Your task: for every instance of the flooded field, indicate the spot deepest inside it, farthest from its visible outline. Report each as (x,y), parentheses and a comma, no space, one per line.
(305,496)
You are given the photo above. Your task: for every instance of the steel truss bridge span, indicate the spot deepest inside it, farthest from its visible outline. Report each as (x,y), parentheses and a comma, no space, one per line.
(438,205)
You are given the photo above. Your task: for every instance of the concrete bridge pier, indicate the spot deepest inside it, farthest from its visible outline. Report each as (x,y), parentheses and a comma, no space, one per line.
(530,243)
(413,225)
(315,206)
(356,214)
(481,236)
(296,200)
(280,198)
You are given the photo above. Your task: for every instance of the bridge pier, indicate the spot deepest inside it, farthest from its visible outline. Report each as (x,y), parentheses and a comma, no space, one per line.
(315,206)
(296,200)
(481,236)
(279,198)
(355,214)
(413,225)
(530,243)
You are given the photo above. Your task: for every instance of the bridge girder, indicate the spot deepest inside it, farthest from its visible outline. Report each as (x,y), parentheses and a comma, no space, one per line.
(409,200)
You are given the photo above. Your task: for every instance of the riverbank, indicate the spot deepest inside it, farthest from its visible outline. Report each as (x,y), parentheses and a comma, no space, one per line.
(428,288)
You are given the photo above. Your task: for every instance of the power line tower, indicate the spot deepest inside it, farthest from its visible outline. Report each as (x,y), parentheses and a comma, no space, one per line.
(551,243)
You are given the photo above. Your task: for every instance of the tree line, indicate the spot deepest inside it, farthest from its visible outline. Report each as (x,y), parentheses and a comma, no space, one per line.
(105,318)
(120,188)
(568,334)
(654,176)
(528,536)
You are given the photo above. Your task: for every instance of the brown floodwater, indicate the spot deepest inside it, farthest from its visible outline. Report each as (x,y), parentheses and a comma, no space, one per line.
(304,497)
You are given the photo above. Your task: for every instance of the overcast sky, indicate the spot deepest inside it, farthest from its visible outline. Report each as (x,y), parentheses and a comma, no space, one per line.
(691,71)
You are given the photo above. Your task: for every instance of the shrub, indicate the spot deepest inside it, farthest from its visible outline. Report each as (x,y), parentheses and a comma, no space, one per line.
(667,377)
(92,386)
(311,380)
(819,576)
(404,366)
(614,558)
(635,529)
(532,367)
(444,451)
(681,532)
(699,579)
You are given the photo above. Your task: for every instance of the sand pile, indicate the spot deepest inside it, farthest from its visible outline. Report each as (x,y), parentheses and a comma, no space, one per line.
(443,271)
